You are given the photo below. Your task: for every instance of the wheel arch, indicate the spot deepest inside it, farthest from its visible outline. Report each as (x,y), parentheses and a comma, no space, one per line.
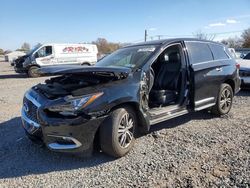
(34,65)
(30,67)
(143,123)
(231,83)
(86,63)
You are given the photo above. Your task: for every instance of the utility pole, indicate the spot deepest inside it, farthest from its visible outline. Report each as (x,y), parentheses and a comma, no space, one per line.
(145,35)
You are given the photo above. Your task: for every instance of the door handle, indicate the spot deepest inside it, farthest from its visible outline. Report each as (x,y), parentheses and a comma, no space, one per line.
(219,69)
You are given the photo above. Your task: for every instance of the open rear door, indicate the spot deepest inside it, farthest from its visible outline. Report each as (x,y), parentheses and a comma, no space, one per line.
(205,79)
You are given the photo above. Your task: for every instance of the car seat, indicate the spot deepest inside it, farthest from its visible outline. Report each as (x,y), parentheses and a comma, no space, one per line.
(166,80)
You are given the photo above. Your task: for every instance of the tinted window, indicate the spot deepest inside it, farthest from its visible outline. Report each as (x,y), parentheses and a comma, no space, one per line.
(218,51)
(48,50)
(45,51)
(199,52)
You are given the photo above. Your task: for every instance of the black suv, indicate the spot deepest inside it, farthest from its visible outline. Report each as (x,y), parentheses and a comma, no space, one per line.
(129,90)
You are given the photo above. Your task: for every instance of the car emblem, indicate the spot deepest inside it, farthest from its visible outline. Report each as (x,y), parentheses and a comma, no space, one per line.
(26,107)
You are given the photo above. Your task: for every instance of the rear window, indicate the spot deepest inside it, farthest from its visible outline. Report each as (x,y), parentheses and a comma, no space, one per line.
(218,51)
(199,52)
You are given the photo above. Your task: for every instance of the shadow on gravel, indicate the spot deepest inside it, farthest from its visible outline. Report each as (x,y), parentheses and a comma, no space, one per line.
(9,76)
(20,157)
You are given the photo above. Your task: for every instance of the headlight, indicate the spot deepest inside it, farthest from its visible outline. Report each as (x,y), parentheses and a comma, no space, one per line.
(73,104)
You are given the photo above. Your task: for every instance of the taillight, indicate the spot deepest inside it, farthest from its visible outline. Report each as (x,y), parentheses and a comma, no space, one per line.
(237,65)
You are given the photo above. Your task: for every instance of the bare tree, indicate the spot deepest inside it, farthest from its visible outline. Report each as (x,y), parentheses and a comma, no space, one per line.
(235,42)
(202,35)
(1,51)
(105,47)
(25,46)
(246,38)
(38,44)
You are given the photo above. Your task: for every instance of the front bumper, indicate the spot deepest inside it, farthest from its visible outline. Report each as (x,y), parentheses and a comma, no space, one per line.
(20,69)
(59,134)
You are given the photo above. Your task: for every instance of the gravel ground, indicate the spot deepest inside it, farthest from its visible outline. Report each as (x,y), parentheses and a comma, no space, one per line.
(195,150)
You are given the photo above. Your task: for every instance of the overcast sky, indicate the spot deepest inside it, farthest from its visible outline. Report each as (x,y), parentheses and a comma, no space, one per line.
(117,20)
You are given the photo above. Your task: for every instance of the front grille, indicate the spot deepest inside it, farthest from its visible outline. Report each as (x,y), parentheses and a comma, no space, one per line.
(19,62)
(31,111)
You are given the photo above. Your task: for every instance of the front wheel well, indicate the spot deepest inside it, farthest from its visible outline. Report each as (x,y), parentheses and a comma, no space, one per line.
(143,127)
(33,66)
(132,105)
(85,63)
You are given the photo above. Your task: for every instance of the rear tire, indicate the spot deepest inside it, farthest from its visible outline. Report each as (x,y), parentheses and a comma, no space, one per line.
(32,72)
(224,100)
(117,132)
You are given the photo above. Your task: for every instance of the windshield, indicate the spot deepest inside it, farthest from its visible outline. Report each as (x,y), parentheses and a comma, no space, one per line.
(128,57)
(34,49)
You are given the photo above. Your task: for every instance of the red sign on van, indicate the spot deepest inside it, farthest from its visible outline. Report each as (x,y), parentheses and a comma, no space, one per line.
(79,49)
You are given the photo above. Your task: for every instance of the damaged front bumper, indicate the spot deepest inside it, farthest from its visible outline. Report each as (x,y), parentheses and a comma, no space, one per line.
(72,135)
(20,69)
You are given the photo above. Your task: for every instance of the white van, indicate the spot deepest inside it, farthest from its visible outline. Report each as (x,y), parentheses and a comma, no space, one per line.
(56,54)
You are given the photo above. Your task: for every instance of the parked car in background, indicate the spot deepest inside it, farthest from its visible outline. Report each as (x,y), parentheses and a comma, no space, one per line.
(247,57)
(245,71)
(56,54)
(129,90)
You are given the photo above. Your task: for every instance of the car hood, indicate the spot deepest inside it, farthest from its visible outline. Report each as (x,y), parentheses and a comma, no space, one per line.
(73,80)
(79,69)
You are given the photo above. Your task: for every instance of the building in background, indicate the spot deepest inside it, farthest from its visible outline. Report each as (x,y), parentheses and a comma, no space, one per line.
(10,57)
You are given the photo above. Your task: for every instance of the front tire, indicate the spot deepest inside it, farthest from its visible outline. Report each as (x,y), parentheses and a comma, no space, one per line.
(117,132)
(32,72)
(224,100)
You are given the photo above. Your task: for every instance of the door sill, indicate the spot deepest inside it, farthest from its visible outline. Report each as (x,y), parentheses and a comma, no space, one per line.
(158,115)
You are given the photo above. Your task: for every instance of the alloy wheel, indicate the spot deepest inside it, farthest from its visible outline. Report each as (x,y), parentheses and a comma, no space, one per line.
(125,130)
(225,100)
